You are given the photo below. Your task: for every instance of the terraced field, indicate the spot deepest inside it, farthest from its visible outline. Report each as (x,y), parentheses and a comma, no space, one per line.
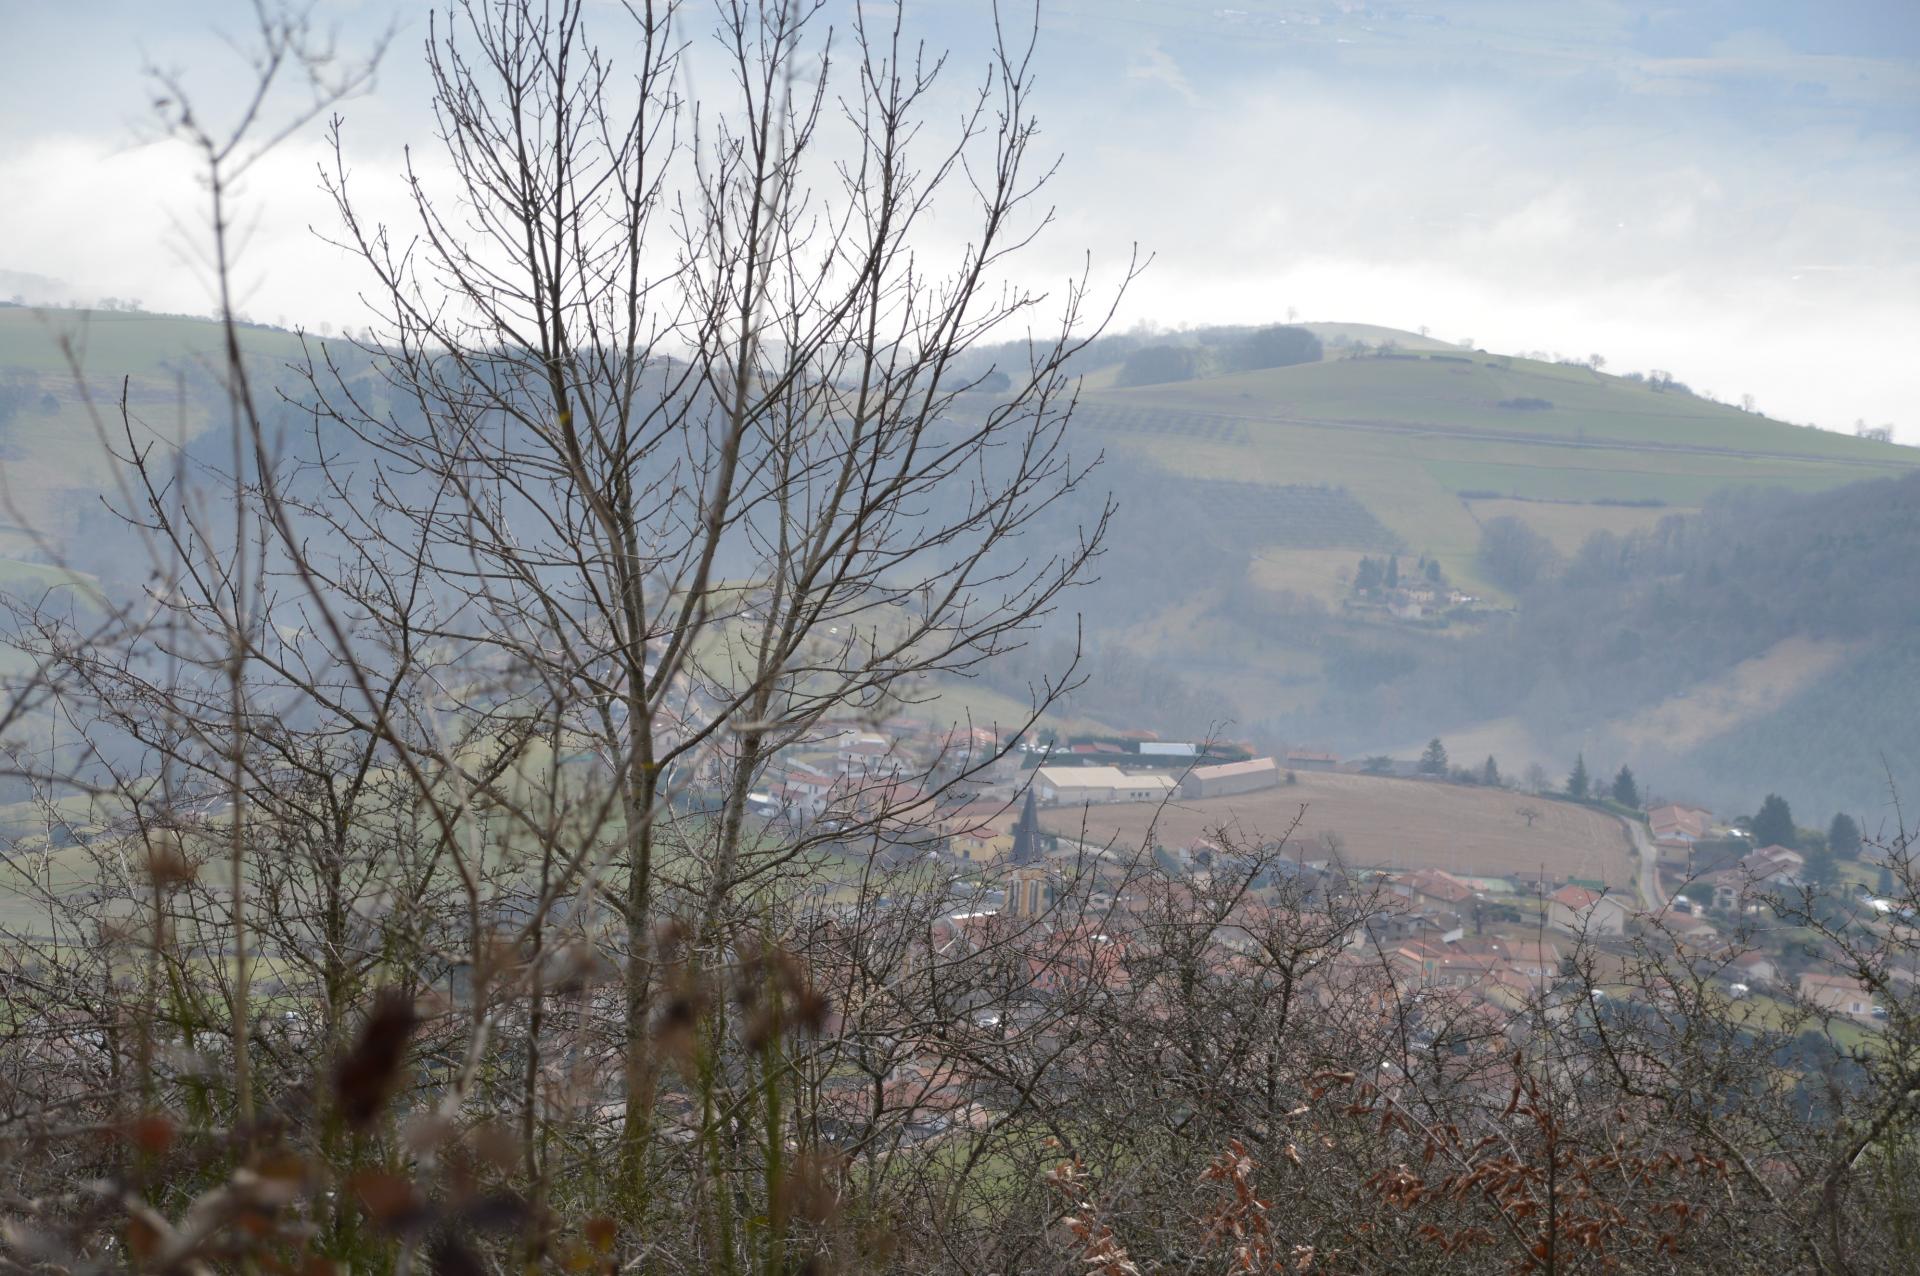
(1414,438)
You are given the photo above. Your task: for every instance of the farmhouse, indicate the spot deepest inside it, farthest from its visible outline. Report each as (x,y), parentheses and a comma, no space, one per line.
(1756,970)
(1435,884)
(1838,994)
(1775,866)
(1679,823)
(1312,760)
(1578,910)
(1231,778)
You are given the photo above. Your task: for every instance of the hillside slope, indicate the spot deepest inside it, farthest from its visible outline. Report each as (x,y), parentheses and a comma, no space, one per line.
(1246,502)
(1424,442)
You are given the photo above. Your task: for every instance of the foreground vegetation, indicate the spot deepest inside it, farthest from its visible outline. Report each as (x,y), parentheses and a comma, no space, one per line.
(405,892)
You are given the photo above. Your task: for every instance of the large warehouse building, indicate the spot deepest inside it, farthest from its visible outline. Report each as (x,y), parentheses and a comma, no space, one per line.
(1079,785)
(1230,778)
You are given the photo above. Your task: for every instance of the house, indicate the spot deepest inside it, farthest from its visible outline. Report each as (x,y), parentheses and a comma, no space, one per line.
(1535,959)
(1415,963)
(802,791)
(862,753)
(1838,994)
(1684,923)
(1730,889)
(1755,970)
(976,749)
(1580,911)
(978,832)
(1775,866)
(1675,854)
(1312,760)
(1231,778)
(1679,823)
(1436,884)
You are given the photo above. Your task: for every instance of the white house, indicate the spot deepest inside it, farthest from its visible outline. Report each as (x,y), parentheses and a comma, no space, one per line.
(1580,911)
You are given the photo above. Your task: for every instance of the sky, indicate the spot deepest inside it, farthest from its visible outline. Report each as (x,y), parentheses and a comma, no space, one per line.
(1724,189)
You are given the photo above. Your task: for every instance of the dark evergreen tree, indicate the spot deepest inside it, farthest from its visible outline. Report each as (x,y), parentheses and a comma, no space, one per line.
(1434,760)
(1843,837)
(1490,773)
(1367,578)
(1822,869)
(1773,824)
(1625,791)
(1393,572)
(1883,885)
(1578,783)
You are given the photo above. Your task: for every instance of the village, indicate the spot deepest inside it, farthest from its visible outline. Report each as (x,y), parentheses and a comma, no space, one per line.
(1015,828)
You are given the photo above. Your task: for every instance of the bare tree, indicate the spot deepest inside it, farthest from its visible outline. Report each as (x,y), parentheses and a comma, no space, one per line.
(423,851)
(658,462)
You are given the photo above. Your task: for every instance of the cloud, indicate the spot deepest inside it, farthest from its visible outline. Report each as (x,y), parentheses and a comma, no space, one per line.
(1155,65)
(1739,215)
(1671,243)
(128,222)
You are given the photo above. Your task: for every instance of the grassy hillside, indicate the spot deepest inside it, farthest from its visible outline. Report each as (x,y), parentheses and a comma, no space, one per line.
(56,435)
(1412,447)
(1373,334)
(112,343)
(1246,501)
(1422,443)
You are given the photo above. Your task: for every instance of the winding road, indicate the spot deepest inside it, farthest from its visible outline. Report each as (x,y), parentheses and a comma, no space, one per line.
(1647,858)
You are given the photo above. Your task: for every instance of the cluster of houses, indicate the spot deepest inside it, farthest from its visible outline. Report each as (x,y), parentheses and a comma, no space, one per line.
(852,770)
(1718,868)
(1495,939)
(1418,600)
(955,790)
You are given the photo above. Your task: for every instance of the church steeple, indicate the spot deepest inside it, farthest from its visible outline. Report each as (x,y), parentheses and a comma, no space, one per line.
(1026,833)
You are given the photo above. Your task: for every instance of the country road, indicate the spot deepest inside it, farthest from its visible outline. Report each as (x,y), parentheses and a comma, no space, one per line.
(1646,857)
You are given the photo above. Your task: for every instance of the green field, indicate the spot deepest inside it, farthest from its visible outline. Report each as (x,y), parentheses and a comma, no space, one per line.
(112,343)
(1418,440)
(78,368)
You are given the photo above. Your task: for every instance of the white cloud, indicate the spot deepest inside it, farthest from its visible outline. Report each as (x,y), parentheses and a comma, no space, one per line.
(1777,257)
(1671,248)
(1155,65)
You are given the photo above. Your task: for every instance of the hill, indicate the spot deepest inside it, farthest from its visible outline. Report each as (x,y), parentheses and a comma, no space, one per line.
(1433,444)
(1249,499)
(56,428)
(1763,644)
